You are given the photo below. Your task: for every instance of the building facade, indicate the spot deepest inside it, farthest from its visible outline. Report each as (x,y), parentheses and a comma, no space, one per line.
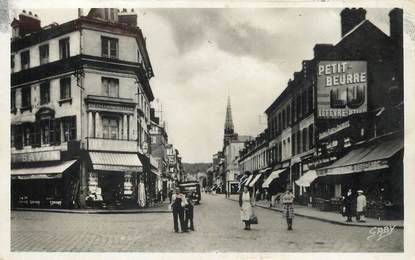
(80,111)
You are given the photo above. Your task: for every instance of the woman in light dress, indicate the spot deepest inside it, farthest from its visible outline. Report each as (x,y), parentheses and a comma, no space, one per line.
(246,203)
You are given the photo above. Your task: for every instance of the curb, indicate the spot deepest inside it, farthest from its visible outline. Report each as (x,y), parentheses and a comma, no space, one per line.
(93,211)
(325,220)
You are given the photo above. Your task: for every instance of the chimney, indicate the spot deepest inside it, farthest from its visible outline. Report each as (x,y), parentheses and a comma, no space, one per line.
(28,23)
(396,26)
(350,17)
(129,18)
(321,51)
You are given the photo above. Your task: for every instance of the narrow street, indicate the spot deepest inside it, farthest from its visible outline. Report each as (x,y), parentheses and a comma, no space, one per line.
(217,224)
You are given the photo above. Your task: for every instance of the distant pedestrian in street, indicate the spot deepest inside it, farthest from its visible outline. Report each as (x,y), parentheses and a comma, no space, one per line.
(188,212)
(246,203)
(177,206)
(170,195)
(288,209)
(360,206)
(348,205)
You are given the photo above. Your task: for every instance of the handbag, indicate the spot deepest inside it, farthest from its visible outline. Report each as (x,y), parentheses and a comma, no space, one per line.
(253,220)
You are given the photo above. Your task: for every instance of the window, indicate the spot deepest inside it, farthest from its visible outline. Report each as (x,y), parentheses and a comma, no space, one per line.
(279,123)
(44,93)
(13,99)
(288,115)
(311,135)
(45,130)
(298,117)
(305,136)
(25,59)
(110,128)
(12,62)
(298,142)
(283,119)
(109,47)
(69,128)
(293,112)
(44,54)
(304,103)
(293,144)
(110,87)
(64,50)
(65,87)
(28,134)
(26,97)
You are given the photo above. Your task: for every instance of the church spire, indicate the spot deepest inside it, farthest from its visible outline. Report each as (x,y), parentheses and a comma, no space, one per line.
(229,129)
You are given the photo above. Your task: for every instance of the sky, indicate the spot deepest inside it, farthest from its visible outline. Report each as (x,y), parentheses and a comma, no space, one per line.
(200,56)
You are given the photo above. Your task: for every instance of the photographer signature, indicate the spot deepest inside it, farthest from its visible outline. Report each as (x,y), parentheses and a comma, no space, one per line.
(378,233)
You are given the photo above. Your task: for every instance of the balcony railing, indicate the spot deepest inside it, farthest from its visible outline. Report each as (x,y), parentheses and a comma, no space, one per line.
(100,144)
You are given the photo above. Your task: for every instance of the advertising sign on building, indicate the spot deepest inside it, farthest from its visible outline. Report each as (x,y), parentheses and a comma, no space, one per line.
(341,88)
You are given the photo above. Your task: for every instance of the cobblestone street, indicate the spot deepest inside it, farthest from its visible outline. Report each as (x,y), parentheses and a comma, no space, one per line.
(217,229)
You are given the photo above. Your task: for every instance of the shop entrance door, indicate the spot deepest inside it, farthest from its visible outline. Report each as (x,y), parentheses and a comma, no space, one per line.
(111,187)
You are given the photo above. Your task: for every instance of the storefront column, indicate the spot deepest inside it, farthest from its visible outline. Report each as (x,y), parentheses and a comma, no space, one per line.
(98,125)
(90,125)
(125,128)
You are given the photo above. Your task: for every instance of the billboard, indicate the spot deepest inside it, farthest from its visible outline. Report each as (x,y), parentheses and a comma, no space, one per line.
(341,88)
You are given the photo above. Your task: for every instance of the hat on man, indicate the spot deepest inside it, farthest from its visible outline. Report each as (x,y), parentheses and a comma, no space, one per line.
(359,191)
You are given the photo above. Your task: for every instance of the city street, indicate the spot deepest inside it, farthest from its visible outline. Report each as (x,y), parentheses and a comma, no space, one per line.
(217,224)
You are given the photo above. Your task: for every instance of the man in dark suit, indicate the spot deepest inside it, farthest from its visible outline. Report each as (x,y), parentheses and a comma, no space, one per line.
(177,206)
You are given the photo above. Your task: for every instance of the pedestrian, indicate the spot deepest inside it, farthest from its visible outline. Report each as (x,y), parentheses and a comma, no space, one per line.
(170,195)
(245,203)
(188,212)
(360,206)
(177,206)
(348,205)
(288,209)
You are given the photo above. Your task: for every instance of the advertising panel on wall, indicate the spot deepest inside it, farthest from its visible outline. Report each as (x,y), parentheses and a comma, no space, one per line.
(341,88)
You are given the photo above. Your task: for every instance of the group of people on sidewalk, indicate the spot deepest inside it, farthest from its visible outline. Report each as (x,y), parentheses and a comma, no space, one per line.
(182,208)
(349,202)
(247,204)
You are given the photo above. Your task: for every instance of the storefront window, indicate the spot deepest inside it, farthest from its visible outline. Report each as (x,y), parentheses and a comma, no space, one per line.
(110,128)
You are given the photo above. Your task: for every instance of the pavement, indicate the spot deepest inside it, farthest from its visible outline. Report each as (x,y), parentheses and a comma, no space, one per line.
(326,216)
(158,208)
(218,229)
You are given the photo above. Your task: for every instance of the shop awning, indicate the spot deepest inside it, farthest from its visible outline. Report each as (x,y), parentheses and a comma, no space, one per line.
(252,183)
(247,180)
(45,172)
(265,170)
(370,158)
(307,178)
(275,174)
(119,162)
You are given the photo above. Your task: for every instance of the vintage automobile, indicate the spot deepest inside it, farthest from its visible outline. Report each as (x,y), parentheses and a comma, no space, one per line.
(191,186)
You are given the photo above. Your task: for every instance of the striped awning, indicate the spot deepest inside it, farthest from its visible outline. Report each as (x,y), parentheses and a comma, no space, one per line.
(45,172)
(119,162)
(275,174)
(252,183)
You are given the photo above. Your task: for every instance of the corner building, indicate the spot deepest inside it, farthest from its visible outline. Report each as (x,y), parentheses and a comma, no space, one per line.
(80,110)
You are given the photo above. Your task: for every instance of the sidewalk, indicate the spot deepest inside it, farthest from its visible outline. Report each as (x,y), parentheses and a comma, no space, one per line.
(331,217)
(158,208)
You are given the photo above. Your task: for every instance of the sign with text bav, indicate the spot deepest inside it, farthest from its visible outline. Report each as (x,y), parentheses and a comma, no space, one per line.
(341,88)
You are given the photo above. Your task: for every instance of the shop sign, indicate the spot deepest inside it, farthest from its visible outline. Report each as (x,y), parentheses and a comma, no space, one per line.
(359,167)
(334,130)
(37,156)
(341,88)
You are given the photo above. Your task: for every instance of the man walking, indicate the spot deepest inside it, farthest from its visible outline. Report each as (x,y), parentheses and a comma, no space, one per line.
(348,205)
(360,206)
(177,206)
(189,211)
